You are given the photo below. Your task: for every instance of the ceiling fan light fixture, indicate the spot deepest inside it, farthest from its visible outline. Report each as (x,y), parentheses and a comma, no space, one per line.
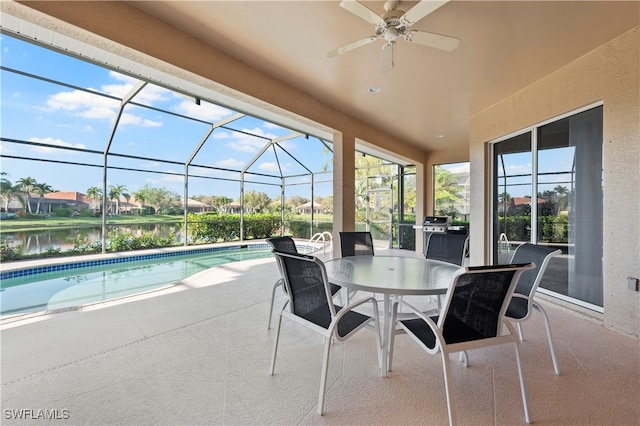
(395,24)
(374,89)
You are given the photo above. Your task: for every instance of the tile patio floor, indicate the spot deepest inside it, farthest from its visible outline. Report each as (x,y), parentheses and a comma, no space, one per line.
(199,354)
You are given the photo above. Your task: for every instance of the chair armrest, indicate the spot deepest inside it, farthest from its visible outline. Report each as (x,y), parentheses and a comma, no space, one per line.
(421,315)
(347,309)
(359,302)
(353,305)
(521,296)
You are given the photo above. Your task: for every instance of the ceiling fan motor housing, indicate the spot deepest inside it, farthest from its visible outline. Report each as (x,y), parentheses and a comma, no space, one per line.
(393,24)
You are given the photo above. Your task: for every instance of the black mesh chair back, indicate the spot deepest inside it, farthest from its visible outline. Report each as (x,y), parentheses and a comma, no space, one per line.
(478,303)
(522,303)
(450,248)
(356,243)
(305,285)
(311,304)
(474,306)
(473,316)
(528,283)
(284,244)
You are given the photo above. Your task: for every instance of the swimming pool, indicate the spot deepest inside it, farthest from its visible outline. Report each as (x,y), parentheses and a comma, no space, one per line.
(68,285)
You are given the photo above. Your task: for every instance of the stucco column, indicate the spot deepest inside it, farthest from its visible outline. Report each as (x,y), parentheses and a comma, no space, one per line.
(344,203)
(422,195)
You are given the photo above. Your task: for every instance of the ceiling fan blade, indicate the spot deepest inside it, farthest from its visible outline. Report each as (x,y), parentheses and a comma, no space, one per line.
(421,10)
(437,41)
(353,45)
(363,12)
(386,60)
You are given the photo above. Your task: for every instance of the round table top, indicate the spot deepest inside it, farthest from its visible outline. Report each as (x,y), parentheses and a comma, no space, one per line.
(391,274)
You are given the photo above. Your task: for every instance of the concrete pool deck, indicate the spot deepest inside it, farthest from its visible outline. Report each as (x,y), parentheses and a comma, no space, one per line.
(199,353)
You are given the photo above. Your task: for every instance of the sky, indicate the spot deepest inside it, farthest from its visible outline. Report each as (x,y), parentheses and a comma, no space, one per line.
(80,114)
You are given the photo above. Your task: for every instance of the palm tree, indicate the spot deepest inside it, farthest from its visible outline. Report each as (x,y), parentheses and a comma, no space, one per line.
(95,194)
(41,189)
(141,197)
(7,190)
(115,192)
(26,185)
(127,198)
(505,199)
(562,196)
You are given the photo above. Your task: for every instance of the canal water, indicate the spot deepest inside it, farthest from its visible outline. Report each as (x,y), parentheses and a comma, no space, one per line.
(63,238)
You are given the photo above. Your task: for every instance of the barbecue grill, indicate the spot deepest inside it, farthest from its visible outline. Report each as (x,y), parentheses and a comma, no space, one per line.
(439,224)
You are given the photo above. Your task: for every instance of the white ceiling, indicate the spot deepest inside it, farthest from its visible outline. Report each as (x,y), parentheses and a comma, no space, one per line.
(430,95)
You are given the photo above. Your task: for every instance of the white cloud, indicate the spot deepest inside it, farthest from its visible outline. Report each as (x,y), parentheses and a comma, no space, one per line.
(5,149)
(88,105)
(122,77)
(229,163)
(139,121)
(151,164)
(459,168)
(98,113)
(172,178)
(149,95)
(258,131)
(205,111)
(165,179)
(268,125)
(77,100)
(519,169)
(246,143)
(270,166)
(221,135)
(289,145)
(118,90)
(52,141)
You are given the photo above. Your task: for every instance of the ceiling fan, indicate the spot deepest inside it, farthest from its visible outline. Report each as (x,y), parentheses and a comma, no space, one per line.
(393,25)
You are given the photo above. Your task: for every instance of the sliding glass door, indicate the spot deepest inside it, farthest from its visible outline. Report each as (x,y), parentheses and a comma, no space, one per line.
(547,189)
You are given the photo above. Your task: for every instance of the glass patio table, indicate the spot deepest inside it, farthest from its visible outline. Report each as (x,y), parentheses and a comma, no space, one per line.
(391,276)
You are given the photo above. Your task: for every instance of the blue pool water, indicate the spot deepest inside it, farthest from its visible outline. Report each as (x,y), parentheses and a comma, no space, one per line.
(81,283)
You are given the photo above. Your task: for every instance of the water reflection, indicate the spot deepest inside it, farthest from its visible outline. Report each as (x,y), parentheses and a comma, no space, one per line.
(64,238)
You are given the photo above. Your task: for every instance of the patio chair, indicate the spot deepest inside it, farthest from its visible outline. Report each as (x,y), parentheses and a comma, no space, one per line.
(287,245)
(356,243)
(450,248)
(311,304)
(522,304)
(472,318)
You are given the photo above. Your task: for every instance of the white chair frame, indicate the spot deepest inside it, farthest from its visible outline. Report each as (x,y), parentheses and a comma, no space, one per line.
(533,305)
(447,349)
(329,333)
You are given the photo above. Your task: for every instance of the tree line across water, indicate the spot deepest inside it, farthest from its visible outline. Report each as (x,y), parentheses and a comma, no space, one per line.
(151,199)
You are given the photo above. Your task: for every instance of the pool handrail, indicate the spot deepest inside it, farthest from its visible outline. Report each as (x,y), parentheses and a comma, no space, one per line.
(316,238)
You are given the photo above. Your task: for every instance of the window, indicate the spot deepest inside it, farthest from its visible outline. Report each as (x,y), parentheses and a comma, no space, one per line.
(547,189)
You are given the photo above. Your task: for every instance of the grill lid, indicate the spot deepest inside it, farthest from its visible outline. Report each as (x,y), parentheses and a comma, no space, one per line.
(443,221)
